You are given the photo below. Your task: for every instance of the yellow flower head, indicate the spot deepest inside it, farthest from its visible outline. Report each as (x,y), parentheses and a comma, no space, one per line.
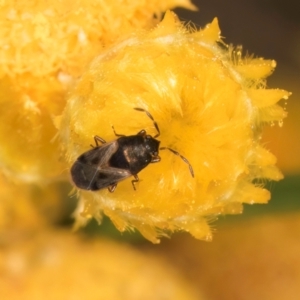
(45,46)
(210,105)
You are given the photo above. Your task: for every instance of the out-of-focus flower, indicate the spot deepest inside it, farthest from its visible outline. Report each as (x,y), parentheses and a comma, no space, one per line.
(266,248)
(210,104)
(17,210)
(26,207)
(67,267)
(43,49)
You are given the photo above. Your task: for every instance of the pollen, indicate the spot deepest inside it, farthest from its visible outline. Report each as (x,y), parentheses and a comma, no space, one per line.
(211,105)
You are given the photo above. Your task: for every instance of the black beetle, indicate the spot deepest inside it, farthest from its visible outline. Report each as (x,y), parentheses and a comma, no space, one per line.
(107,164)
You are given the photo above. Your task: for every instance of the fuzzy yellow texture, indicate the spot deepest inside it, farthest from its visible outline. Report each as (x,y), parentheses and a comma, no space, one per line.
(17,211)
(67,267)
(44,47)
(210,105)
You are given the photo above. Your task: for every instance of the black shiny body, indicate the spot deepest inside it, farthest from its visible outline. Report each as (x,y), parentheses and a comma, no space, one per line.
(135,152)
(104,166)
(107,164)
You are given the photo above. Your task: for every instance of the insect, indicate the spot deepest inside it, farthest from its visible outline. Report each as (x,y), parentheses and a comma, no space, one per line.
(107,164)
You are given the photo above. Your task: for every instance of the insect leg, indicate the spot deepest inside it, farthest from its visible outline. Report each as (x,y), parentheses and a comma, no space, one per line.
(142,132)
(134,181)
(155,159)
(182,157)
(116,134)
(97,140)
(112,187)
(150,116)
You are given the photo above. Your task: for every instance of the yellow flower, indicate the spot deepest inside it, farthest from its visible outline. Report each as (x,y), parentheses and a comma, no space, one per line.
(44,48)
(210,105)
(69,267)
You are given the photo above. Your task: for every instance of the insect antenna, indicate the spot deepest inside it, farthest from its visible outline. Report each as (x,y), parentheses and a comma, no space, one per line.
(116,134)
(182,157)
(150,116)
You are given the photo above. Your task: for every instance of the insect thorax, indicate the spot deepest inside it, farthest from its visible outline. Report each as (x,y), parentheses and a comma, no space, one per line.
(134,153)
